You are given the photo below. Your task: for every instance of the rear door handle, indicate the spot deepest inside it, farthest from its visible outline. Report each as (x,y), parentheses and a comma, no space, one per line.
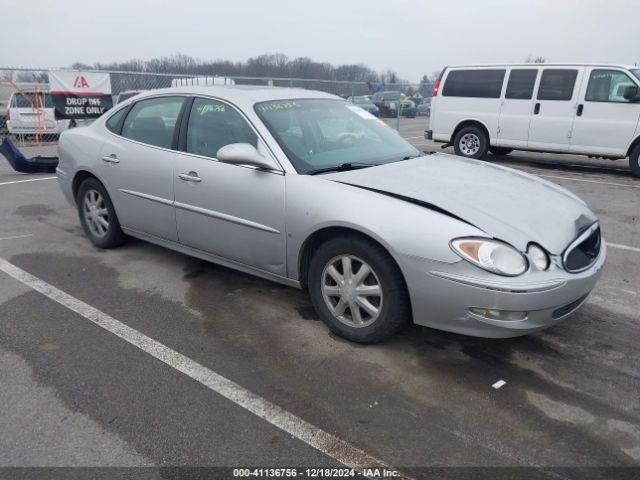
(536,109)
(113,158)
(190,177)
(579,111)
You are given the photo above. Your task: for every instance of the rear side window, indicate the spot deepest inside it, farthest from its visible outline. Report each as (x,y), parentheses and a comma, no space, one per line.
(557,84)
(520,84)
(608,86)
(474,83)
(153,121)
(113,123)
(213,124)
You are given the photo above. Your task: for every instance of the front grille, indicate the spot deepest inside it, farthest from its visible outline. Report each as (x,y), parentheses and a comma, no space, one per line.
(584,250)
(568,308)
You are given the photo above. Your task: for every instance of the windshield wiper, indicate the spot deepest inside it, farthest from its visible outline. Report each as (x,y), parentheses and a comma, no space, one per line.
(343,167)
(409,157)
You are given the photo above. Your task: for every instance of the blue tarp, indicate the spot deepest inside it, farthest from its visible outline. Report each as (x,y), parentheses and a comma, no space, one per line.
(20,163)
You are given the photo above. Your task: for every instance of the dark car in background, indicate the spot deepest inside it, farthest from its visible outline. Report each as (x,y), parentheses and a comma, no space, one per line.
(424,109)
(389,102)
(126,95)
(364,102)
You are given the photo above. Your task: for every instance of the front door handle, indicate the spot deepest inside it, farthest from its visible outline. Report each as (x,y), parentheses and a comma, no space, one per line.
(190,177)
(579,110)
(113,158)
(536,109)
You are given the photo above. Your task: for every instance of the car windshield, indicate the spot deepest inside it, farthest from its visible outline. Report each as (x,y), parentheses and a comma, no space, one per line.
(362,100)
(636,72)
(318,134)
(392,96)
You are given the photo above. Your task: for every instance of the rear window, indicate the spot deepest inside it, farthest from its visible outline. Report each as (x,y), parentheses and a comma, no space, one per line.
(557,84)
(29,99)
(474,83)
(520,84)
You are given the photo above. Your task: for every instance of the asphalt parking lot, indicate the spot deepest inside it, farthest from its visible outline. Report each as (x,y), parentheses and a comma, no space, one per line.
(74,393)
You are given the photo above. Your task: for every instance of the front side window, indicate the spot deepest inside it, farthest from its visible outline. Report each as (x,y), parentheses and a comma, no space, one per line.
(317,134)
(608,86)
(636,72)
(557,84)
(153,121)
(214,124)
(520,84)
(474,83)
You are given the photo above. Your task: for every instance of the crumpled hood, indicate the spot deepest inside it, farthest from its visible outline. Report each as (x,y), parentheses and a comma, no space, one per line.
(507,204)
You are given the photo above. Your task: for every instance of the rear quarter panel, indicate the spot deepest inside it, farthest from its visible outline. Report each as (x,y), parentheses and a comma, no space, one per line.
(78,150)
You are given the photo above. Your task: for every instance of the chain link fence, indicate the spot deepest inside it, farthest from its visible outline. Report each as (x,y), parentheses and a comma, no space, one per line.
(27,88)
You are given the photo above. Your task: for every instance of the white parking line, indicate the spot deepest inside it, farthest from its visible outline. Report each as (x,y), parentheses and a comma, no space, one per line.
(17,236)
(325,442)
(623,247)
(29,180)
(585,180)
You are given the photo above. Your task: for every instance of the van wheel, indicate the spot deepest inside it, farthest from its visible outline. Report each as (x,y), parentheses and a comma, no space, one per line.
(358,290)
(471,142)
(500,150)
(634,160)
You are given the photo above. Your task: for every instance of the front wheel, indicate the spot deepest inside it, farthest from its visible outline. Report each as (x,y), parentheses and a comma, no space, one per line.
(634,160)
(358,290)
(500,150)
(97,215)
(471,142)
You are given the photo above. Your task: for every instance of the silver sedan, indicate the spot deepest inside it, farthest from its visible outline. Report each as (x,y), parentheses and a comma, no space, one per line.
(305,189)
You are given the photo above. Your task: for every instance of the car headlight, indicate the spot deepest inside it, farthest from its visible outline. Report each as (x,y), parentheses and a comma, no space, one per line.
(491,255)
(538,257)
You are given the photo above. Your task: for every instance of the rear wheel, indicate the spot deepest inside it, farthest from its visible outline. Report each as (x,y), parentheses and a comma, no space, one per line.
(500,150)
(634,160)
(471,142)
(97,215)
(358,290)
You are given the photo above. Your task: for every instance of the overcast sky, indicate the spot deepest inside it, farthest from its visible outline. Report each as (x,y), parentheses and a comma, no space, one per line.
(410,36)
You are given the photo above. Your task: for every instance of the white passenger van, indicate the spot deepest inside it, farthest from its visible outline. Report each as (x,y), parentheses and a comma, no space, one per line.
(566,108)
(32,112)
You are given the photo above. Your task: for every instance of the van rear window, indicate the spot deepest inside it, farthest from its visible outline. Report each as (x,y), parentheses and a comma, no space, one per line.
(474,83)
(19,100)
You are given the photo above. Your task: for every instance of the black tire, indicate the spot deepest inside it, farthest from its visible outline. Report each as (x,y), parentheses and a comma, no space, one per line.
(476,134)
(500,150)
(394,304)
(634,160)
(113,235)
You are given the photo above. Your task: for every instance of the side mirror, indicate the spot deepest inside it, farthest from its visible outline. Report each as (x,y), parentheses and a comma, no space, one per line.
(243,154)
(631,93)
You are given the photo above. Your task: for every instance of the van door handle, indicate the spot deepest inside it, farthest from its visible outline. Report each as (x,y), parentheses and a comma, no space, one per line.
(579,111)
(113,158)
(536,109)
(190,177)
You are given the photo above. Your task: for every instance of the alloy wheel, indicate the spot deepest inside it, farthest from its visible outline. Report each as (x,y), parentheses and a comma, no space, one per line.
(352,291)
(95,213)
